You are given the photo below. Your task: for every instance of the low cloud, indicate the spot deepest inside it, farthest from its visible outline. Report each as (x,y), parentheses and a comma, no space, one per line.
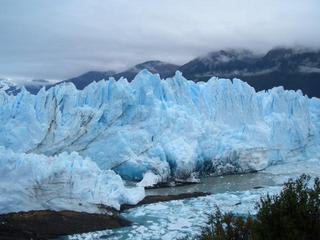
(59,39)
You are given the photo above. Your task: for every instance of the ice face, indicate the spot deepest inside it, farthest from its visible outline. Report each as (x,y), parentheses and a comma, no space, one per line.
(171,128)
(65,181)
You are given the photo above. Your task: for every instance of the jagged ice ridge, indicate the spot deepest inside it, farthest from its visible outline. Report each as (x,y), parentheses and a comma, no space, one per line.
(161,129)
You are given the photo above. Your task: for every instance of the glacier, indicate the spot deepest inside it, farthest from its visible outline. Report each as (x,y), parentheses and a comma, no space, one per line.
(63,182)
(155,130)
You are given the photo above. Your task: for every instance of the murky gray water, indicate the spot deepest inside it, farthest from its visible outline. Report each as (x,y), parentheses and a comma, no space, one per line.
(230,183)
(177,219)
(169,220)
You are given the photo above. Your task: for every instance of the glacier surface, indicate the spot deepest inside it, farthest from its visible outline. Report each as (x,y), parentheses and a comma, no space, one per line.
(152,128)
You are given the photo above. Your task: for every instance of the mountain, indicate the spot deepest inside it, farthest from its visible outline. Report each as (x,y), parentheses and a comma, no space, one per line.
(218,63)
(290,68)
(33,86)
(8,86)
(85,79)
(164,69)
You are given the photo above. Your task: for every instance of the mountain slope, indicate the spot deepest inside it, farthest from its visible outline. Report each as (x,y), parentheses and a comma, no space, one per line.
(85,79)
(290,68)
(218,63)
(164,69)
(9,86)
(33,86)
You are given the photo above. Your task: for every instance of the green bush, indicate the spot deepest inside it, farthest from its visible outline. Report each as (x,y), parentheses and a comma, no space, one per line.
(227,226)
(293,214)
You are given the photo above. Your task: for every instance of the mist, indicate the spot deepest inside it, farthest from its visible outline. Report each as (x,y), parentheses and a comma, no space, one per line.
(44,39)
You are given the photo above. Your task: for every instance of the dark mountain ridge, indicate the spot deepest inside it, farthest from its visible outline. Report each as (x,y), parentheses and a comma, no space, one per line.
(291,68)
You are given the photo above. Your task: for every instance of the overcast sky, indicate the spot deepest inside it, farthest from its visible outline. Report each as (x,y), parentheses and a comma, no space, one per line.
(58,39)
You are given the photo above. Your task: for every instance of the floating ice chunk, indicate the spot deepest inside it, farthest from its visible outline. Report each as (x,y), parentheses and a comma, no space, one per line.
(149,179)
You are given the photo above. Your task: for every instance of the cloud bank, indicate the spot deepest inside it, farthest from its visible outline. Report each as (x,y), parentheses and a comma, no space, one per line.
(59,39)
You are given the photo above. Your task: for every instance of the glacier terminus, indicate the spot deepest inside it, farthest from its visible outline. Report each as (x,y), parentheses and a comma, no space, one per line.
(74,149)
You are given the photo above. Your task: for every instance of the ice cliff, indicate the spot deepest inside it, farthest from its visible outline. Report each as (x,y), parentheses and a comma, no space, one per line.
(162,129)
(65,181)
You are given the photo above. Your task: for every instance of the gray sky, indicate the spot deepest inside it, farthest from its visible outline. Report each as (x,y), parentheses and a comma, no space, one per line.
(58,39)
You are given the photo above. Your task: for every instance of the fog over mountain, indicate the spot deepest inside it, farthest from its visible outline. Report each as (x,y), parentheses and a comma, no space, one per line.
(62,39)
(291,68)
(125,119)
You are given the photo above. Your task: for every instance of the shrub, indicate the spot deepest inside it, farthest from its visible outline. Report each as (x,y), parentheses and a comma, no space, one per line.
(227,226)
(293,214)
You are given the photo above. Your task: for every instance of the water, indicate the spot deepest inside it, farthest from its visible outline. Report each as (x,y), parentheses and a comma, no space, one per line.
(177,219)
(229,183)
(181,218)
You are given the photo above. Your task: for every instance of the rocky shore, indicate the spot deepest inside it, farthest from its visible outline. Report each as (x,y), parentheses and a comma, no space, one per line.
(47,224)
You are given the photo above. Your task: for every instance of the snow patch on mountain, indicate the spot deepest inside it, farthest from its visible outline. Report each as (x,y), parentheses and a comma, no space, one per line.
(307,69)
(222,57)
(9,86)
